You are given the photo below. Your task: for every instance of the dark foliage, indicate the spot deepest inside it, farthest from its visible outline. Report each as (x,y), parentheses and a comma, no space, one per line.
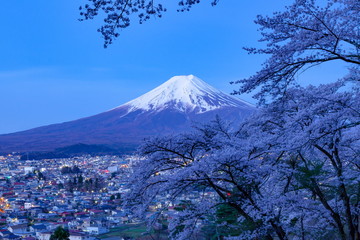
(79,183)
(43,155)
(81,148)
(69,170)
(77,150)
(60,234)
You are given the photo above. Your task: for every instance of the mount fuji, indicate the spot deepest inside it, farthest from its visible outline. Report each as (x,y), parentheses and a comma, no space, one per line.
(171,108)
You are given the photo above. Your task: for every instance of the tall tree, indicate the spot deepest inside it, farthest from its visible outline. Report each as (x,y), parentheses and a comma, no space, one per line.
(60,234)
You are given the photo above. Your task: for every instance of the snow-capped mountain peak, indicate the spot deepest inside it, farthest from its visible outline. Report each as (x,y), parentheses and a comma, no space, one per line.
(185,93)
(171,108)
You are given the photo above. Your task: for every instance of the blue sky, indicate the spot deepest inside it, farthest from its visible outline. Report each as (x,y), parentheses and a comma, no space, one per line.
(54,68)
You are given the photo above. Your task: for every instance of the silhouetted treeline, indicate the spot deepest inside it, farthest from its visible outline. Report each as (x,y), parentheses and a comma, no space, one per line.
(79,183)
(67,170)
(78,150)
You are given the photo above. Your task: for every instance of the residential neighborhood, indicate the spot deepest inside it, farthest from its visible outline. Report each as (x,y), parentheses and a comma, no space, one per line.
(81,194)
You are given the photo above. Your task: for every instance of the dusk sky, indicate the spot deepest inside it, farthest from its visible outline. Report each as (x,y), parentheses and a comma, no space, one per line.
(54,68)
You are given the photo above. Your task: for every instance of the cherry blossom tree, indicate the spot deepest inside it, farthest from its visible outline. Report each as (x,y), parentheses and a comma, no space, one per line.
(118,13)
(305,35)
(317,130)
(291,171)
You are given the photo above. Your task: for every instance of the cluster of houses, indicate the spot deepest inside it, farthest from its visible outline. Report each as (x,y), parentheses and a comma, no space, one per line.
(35,197)
(81,194)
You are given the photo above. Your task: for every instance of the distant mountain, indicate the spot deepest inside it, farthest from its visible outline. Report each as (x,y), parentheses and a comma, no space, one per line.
(168,109)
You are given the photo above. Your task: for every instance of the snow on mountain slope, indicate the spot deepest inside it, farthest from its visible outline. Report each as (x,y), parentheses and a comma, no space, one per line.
(186,94)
